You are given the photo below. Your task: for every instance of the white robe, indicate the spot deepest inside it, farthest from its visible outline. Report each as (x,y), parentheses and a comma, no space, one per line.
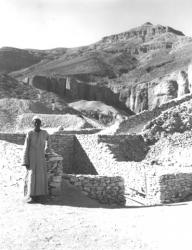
(36,181)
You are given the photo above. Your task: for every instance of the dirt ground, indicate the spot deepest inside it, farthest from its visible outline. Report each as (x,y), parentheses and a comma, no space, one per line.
(77,222)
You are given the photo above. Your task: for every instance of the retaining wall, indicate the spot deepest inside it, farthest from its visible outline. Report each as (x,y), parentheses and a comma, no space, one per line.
(105,189)
(105,162)
(98,157)
(169,186)
(61,144)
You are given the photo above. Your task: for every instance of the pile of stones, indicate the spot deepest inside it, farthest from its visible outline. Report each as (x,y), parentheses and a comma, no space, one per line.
(176,119)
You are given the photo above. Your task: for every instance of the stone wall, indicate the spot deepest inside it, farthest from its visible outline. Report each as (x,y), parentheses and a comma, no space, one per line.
(169,186)
(96,165)
(107,163)
(125,147)
(64,146)
(105,189)
(55,173)
(61,144)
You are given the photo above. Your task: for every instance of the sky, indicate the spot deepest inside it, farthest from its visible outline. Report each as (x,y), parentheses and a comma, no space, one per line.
(46,24)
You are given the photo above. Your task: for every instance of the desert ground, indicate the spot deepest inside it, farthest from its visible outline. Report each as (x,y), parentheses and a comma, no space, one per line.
(77,222)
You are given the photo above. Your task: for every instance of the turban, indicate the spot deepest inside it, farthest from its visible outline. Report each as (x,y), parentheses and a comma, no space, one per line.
(36,118)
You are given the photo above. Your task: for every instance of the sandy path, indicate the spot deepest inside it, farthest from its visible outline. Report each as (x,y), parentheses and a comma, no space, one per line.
(76,222)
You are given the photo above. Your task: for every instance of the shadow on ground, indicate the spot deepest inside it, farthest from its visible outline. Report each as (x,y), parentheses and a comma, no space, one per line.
(71,196)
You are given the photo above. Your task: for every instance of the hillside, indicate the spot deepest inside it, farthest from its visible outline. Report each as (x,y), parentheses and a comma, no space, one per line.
(137,70)
(141,67)
(19,102)
(113,55)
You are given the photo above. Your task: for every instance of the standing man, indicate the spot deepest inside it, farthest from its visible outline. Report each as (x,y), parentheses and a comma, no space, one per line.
(36,181)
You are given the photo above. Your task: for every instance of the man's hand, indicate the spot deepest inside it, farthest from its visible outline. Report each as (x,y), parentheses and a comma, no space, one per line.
(27,166)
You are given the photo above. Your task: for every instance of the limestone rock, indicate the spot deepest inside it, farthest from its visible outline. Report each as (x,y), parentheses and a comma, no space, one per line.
(161,92)
(183,83)
(190,76)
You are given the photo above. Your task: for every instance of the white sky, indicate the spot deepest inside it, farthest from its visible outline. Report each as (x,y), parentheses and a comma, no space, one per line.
(44,24)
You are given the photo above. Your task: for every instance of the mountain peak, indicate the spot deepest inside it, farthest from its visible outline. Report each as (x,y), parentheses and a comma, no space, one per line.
(145,32)
(147,24)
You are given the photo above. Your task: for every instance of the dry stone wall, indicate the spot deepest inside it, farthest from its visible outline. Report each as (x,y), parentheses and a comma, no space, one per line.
(105,189)
(98,171)
(55,173)
(61,144)
(107,164)
(169,186)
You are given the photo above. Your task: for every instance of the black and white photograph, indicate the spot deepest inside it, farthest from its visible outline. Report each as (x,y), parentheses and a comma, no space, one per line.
(95,124)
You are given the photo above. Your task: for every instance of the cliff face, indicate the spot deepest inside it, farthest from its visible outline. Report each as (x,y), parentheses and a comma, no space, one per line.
(141,68)
(149,95)
(75,89)
(53,84)
(145,32)
(133,99)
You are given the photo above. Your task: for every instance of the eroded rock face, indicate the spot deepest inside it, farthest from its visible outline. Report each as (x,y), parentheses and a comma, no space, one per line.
(147,96)
(85,91)
(190,77)
(133,99)
(136,97)
(54,84)
(161,92)
(144,32)
(183,83)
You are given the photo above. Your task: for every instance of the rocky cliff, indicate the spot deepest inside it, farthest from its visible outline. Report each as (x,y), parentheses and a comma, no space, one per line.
(132,99)
(141,68)
(149,95)
(144,32)
(51,84)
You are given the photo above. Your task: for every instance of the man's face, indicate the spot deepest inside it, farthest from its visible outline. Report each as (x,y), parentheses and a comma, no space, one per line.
(37,124)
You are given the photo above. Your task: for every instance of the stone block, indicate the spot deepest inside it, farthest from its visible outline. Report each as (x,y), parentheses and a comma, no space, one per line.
(55,184)
(57,179)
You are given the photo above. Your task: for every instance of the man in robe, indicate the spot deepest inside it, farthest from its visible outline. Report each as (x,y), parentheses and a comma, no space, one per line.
(36,144)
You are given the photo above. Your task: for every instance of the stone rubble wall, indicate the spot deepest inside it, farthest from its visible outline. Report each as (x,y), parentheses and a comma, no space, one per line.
(105,189)
(93,156)
(170,186)
(135,124)
(105,162)
(64,146)
(61,144)
(55,173)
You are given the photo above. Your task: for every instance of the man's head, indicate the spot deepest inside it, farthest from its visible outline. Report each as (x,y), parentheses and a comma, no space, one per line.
(36,123)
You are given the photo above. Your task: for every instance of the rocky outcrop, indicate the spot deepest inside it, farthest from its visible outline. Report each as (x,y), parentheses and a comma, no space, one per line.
(183,83)
(53,84)
(147,96)
(190,76)
(132,99)
(176,119)
(135,98)
(161,92)
(96,92)
(144,32)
